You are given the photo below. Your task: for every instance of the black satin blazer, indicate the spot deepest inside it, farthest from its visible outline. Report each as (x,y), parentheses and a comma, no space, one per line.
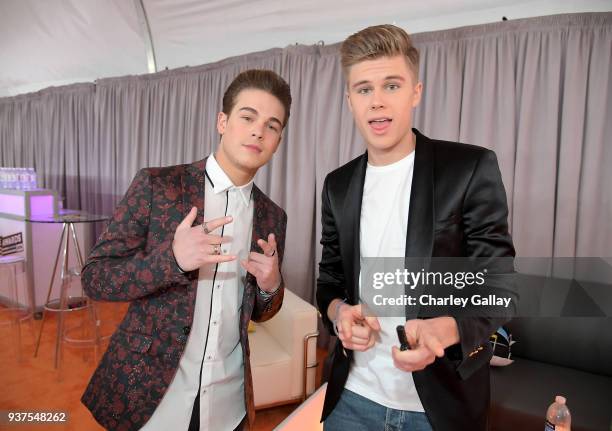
(457,208)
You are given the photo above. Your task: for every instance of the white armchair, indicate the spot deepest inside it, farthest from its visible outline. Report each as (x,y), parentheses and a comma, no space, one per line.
(284,355)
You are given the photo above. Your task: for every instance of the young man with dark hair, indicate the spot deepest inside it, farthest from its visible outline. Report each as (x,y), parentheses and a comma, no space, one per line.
(197,250)
(408,196)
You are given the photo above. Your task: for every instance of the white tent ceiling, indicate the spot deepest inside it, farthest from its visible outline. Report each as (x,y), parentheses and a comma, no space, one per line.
(55,42)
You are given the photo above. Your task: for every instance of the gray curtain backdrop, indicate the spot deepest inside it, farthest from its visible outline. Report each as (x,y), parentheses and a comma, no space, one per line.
(538,91)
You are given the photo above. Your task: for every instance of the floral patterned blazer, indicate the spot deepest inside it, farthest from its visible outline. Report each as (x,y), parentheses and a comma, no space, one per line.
(133,261)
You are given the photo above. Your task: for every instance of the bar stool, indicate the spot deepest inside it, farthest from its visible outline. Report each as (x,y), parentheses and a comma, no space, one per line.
(11,266)
(92,321)
(65,304)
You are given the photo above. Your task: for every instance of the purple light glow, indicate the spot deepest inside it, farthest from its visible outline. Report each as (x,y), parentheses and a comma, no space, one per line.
(41,205)
(12,204)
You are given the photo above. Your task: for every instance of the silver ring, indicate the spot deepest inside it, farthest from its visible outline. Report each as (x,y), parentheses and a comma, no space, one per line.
(217,249)
(205,228)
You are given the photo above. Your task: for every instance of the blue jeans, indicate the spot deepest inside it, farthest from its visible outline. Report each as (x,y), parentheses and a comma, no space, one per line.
(356,413)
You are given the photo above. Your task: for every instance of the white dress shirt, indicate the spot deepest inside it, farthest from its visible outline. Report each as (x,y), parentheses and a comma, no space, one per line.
(383,228)
(213,360)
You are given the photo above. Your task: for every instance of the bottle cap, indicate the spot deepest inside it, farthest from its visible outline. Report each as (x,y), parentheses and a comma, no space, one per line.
(559,399)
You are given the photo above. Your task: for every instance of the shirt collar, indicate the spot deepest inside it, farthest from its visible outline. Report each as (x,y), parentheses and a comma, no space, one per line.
(222,183)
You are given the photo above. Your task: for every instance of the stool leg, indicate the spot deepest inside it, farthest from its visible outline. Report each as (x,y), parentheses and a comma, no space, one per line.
(59,342)
(17,320)
(42,321)
(63,302)
(29,311)
(77,247)
(15,311)
(93,307)
(95,319)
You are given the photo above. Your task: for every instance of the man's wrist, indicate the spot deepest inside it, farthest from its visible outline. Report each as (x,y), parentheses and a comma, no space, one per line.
(334,318)
(181,270)
(270,293)
(332,308)
(447,330)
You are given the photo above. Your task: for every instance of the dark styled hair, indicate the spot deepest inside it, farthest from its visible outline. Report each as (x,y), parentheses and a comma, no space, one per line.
(258,79)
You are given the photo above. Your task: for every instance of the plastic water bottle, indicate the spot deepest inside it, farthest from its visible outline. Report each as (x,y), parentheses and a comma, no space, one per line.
(558,417)
(32,179)
(20,176)
(12,178)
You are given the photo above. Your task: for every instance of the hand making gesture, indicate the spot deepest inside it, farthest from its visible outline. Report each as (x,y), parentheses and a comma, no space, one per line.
(264,266)
(427,338)
(194,246)
(356,330)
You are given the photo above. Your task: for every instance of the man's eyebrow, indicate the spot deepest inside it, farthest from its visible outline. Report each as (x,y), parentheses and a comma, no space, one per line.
(358,83)
(387,78)
(395,77)
(251,110)
(254,111)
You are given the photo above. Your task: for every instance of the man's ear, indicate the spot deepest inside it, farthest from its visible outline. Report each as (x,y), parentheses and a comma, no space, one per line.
(221,122)
(348,99)
(418,91)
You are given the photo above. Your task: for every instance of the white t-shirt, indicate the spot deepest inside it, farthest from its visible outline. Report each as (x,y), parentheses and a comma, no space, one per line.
(383,227)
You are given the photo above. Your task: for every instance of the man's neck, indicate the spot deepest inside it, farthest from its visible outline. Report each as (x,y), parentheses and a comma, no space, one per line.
(237,176)
(398,152)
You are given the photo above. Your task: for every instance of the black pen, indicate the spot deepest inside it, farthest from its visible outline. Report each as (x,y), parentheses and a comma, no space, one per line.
(401,335)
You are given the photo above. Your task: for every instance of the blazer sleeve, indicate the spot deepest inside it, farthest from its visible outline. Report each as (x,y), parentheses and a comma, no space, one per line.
(485,214)
(331,280)
(121,267)
(266,306)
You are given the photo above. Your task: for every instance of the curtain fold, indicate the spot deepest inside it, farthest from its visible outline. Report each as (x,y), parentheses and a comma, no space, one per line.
(538,91)
(50,130)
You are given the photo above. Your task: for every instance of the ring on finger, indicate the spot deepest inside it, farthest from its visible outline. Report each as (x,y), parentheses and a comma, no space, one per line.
(217,249)
(205,228)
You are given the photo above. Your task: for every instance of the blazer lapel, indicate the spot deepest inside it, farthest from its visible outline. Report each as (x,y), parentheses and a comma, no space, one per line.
(192,182)
(351,224)
(259,223)
(193,189)
(420,234)
(260,212)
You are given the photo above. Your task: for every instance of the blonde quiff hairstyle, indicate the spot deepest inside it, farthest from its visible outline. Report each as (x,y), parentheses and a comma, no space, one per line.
(379,41)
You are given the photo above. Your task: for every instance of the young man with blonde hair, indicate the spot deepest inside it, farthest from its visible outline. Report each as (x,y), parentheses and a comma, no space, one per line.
(408,196)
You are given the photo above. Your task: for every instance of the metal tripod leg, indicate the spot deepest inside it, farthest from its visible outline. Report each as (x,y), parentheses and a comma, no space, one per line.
(92,306)
(63,303)
(42,322)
